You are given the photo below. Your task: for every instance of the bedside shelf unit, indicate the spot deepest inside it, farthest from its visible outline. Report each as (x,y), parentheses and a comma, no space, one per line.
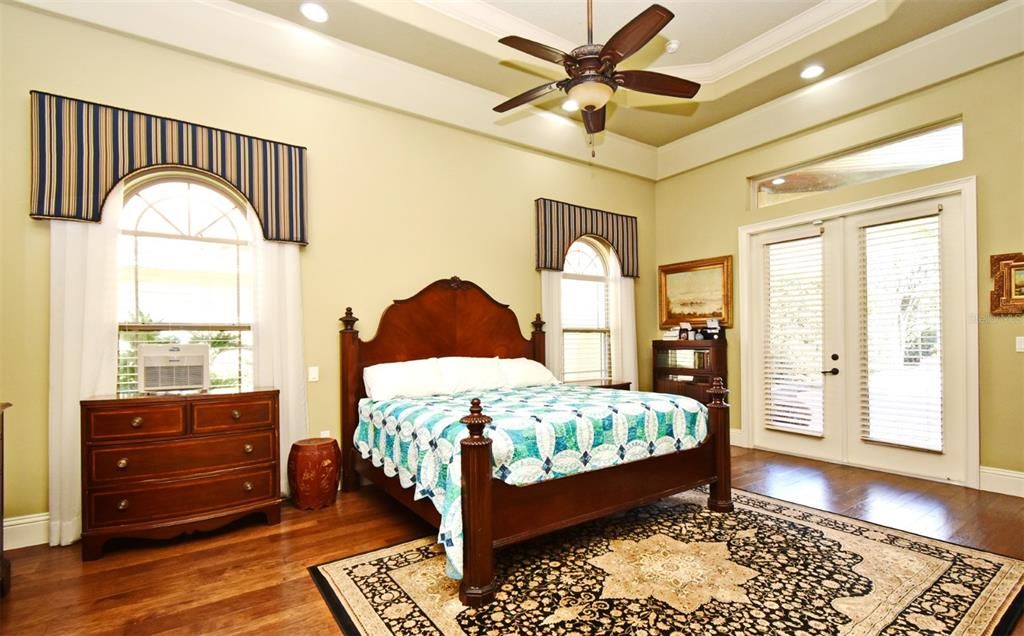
(686,367)
(157,467)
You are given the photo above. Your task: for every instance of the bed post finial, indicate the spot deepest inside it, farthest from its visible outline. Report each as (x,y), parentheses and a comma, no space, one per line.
(476,420)
(720,499)
(717,392)
(477,587)
(538,324)
(349,320)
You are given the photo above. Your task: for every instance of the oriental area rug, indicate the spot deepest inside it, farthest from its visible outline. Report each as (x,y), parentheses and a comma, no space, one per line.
(676,568)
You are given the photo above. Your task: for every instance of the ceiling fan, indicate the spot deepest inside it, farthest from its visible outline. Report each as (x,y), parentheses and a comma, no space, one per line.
(591,68)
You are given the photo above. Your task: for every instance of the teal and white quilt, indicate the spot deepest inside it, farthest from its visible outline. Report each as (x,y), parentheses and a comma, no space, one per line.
(538,433)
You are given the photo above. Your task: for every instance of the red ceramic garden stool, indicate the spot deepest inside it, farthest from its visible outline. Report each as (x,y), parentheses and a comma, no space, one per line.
(313,466)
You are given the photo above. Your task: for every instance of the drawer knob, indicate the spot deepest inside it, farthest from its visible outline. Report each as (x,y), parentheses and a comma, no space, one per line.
(122,463)
(236,415)
(248,449)
(247,486)
(122,505)
(137,421)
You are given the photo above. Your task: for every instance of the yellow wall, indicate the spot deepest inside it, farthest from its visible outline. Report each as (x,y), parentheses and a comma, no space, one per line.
(395,202)
(698,213)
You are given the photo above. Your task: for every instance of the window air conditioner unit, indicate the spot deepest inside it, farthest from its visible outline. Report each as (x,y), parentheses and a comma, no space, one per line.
(174,367)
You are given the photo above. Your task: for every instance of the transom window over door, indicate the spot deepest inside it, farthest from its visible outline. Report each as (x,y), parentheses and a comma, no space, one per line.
(185,276)
(586,335)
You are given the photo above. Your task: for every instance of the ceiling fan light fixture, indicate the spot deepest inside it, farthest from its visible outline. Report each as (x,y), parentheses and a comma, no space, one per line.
(313,12)
(812,71)
(591,95)
(570,106)
(778,181)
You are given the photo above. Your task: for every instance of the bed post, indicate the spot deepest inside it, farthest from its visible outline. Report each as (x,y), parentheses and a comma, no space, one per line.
(537,337)
(349,399)
(477,586)
(720,499)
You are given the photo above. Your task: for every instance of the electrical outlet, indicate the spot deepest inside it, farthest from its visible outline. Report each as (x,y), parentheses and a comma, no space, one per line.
(325,433)
(1020,344)
(313,374)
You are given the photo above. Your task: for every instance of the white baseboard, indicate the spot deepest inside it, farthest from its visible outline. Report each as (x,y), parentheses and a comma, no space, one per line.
(1007,482)
(21,532)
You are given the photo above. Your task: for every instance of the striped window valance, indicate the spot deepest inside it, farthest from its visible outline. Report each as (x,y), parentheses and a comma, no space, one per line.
(560,224)
(81,150)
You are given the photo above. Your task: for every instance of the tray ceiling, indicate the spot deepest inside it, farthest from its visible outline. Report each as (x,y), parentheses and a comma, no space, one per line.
(744,52)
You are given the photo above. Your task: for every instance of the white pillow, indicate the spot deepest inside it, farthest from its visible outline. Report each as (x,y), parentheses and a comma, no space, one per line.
(525,372)
(414,378)
(470,374)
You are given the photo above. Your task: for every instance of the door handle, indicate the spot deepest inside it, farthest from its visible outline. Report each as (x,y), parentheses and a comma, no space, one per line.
(832,371)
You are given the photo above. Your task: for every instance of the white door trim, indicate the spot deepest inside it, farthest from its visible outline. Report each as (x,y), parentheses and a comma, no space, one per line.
(967,189)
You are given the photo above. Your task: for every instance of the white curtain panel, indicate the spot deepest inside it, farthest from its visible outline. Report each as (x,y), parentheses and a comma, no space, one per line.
(622,321)
(551,313)
(83,349)
(277,335)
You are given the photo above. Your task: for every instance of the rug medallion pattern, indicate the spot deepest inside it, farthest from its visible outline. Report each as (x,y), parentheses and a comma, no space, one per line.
(676,568)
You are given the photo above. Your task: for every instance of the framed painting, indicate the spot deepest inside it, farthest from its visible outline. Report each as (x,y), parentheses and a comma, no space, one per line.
(1007,296)
(695,291)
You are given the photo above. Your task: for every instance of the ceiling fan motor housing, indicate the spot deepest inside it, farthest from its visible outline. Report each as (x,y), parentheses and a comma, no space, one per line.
(586,66)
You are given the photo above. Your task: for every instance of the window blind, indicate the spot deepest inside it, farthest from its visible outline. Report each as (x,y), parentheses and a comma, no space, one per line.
(793,335)
(586,338)
(901,334)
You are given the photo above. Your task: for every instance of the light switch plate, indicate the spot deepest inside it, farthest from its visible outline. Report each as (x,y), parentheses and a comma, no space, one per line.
(313,374)
(1020,344)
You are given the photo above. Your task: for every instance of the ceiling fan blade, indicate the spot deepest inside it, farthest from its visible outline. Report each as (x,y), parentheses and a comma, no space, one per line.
(593,120)
(657,83)
(536,49)
(528,96)
(637,32)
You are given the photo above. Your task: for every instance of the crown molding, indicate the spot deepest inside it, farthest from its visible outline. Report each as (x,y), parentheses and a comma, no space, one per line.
(234,33)
(797,28)
(498,23)
(982,39)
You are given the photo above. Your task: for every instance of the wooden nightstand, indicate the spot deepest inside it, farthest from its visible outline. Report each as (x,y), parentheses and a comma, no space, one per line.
(605,384)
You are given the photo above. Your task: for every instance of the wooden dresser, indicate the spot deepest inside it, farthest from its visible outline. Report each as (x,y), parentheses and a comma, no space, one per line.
(5,565)
(156,467)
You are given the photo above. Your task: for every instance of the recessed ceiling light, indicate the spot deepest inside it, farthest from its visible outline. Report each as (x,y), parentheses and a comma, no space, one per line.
(812,71)
(570,106)
(671,46)
(313,12)
(778,181)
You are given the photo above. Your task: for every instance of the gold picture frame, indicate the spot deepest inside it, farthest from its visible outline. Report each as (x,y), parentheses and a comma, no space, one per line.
(1007,296)
(695,291)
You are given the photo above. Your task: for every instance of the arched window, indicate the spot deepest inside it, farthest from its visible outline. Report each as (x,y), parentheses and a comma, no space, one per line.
(586,332)
(185,275)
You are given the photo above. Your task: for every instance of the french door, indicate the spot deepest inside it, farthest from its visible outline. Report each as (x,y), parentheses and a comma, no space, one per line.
(859,346)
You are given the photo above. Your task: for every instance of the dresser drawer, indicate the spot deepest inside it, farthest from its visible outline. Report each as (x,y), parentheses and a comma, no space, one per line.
(236,414)
(181,498)
(169,459)
(126,423)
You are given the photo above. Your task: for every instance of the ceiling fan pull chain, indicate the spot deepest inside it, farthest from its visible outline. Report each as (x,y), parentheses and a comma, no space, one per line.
(593,150)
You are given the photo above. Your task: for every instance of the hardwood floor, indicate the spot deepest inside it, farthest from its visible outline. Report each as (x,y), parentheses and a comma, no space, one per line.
(253,579)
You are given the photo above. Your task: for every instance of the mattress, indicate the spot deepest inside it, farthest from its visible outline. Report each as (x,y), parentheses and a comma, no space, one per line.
(538,433)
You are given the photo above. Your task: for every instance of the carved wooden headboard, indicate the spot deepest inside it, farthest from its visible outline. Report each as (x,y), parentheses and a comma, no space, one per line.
(449,317)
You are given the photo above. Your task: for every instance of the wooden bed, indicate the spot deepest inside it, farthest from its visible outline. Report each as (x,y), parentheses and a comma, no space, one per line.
(454,317)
